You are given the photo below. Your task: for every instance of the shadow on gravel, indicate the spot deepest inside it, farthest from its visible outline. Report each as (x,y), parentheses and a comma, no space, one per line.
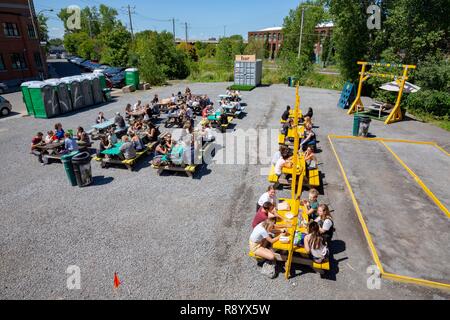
(102,180)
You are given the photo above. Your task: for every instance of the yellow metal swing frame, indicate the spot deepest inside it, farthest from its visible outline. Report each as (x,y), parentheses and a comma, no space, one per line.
(396,113)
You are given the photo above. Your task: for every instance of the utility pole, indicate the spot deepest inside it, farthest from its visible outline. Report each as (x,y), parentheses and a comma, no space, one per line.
(131,22)
(224,31)
(173,27)
(301,34)
(186,30)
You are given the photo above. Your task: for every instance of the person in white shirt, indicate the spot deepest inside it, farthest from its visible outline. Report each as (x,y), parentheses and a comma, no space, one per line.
(325,221)
(315,244)
(261,236)
(137,106)
(277,155)
(269,196)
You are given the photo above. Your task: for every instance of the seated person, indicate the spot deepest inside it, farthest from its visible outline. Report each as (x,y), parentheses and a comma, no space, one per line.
(37,141)
(100,118)
(266,211)
(307,121)
(155,99)
(310,158)
(282,163)
(277,155)
(312,204)
(310,137)
(119,121)
(314,243)
(188,91)
(137,106)
(50,137)
(325,222)
(104,145)
(270,196)
(127,148)
(176,154)
(82,137)
(286,114)
(137,143)
(207,132)
(260,237)
(70,144)
(128,111)
(309,114)
(163,146)
(112,137)
(286,126)
(152,133)
(59,131)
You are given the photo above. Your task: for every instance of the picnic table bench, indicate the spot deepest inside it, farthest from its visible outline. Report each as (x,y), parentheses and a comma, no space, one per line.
(115,156)
(215,119)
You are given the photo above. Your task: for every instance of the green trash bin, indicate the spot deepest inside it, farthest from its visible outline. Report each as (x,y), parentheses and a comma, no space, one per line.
(132,77)
(292,82)
(356,124)
(68,167)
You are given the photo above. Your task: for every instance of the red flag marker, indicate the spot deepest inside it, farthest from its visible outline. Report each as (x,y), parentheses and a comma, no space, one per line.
(117,282)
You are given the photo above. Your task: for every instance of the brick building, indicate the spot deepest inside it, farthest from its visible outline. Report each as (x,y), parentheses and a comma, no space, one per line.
(21,55)
(274,37)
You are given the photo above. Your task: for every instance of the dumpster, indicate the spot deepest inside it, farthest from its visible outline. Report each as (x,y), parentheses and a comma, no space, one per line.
(68,167)
(86,89)
(65,102)
(45,100)
(82,169)
(132,77)
(74,86)
(26,96)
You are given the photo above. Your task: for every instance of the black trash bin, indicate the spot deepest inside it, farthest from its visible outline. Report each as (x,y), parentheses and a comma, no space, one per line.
(82,169)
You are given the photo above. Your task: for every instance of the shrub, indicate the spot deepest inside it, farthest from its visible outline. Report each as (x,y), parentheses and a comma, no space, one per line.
(429,102)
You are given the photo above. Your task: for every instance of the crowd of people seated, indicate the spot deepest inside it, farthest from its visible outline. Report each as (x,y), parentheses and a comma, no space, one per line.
(268,226)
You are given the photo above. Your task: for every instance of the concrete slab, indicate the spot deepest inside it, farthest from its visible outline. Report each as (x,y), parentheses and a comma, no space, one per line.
(409,231)
(430,164)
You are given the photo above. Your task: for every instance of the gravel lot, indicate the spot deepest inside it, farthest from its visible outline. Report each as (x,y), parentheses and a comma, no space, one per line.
(172,237)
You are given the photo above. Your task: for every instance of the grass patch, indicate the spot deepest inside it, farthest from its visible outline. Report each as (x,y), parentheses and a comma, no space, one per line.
(242,87)
(442,122)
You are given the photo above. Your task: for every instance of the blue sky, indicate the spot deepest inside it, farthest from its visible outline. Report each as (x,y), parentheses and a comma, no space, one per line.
(206,18)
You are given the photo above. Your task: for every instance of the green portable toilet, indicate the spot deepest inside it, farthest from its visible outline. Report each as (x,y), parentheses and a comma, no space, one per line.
(99,73)
(45,100)
(27,97)
(132,77)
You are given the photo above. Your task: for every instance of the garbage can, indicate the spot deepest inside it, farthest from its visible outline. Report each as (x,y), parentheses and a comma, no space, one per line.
(132,77)
(356,123)
(67,162)
(82,169)
(364,126)
(292,81)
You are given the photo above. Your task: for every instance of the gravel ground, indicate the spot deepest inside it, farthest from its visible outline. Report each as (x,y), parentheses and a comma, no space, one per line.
(172,237)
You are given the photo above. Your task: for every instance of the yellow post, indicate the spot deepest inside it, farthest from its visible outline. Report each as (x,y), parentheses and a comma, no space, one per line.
(396,114)
(358,102)
(295,202)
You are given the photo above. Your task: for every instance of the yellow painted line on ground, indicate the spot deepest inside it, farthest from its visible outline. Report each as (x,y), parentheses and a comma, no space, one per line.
(382,139)
(358,211)
(442,149)
(419,181)
(421,282)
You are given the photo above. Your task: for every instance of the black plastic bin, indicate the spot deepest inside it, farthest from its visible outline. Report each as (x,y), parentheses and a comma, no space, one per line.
(82,169)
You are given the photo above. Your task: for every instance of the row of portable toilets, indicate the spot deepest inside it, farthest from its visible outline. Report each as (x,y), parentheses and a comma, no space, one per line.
(53,97)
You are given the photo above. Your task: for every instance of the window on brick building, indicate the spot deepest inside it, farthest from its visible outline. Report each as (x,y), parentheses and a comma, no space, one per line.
(2,63)
(38,60)
(10,29)
(31,32)
(18,61)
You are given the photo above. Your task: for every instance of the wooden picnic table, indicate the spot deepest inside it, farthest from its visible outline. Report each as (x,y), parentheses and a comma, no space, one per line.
(114,151)
(104,125)
(50,146)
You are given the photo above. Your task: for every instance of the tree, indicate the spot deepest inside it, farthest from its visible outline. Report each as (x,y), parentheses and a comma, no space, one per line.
(116,46)
(258,48)
(72,41)
(159,58)
(227,49)
(43,28)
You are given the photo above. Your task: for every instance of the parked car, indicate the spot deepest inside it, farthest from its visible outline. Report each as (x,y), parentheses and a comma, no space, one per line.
(77,60)
(3,88)
(112,71)
(5,106)
(118,80)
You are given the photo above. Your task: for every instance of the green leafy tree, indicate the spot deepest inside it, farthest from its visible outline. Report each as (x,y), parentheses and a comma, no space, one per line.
(43,27)
(227,49)
(258,48)
(116,46)
(72,41)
